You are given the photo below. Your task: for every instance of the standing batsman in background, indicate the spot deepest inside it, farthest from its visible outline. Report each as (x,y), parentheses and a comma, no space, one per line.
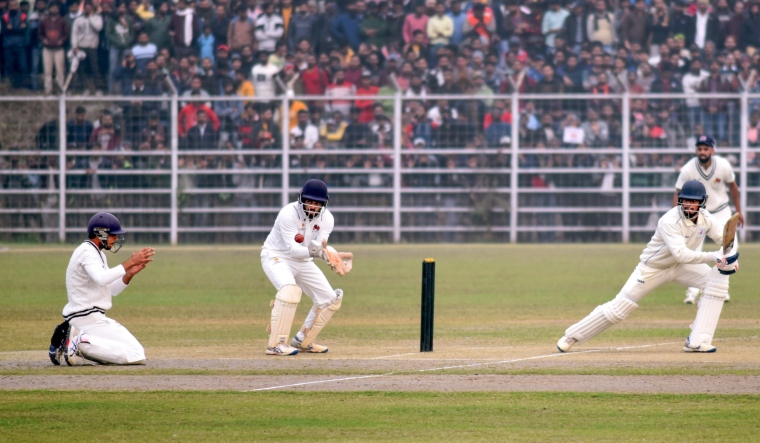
(299,235)
(671,256)
(88,336)
(717,175)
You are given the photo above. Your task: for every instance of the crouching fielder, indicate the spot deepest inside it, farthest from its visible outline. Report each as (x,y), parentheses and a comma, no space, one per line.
(87,336)
(672,256)
(299,235)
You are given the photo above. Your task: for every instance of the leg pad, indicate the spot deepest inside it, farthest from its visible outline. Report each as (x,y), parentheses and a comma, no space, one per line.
(600,319)
(283,311)
(323,315)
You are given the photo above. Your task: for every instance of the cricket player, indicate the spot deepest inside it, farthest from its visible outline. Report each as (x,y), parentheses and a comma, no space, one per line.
(88,336)
(299,235)
(716,174)
(671,256)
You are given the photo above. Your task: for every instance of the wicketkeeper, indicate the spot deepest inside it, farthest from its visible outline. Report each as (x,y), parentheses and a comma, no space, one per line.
(671,256)
(87,336)
(299,235)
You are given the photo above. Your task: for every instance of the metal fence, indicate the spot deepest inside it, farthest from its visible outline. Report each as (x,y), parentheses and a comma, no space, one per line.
(411,168)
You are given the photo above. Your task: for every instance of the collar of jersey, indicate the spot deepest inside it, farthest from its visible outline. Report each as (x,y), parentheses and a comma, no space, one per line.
(702,172)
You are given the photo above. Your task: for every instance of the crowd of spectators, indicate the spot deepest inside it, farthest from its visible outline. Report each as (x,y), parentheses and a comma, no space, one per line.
(247,53)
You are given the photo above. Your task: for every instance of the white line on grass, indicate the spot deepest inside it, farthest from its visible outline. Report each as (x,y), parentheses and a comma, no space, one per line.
(391,356)
(421,370)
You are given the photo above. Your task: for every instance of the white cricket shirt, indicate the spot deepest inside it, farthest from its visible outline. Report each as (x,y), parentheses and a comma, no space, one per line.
(715,178)
(676,240)
(293,220)
(90,284)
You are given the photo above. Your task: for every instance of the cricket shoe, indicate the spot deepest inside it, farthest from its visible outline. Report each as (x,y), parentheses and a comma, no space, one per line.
(282,350)
(704,347)
(312,348)
(72,355)
(691,296)
(565,343)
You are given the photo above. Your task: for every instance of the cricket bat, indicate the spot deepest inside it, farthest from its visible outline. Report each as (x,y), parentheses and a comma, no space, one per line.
(729,233)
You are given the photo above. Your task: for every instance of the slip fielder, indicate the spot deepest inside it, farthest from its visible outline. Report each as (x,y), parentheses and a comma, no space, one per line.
(671,256)
(299,235)
(717,175)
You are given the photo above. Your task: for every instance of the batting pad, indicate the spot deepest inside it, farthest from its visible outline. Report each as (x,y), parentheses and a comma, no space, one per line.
(322,316)
(283,311)
(710,306)
(600,319)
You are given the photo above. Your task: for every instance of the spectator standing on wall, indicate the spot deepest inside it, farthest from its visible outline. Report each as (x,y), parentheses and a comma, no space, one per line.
(53,33)
(600,26)
(374,27)
(85,37)
(302,26)
(240,32)
(269,28)
(158,27)
(345,29)
(13,29)
(552,22)
(120,35)
(184,30)
(633,26)
(704,26)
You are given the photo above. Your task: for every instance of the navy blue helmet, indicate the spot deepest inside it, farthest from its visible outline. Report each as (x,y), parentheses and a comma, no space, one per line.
(102,225)
(315,190)
(693,190)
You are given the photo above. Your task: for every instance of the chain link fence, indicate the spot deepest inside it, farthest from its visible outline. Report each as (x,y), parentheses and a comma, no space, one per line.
(411,168)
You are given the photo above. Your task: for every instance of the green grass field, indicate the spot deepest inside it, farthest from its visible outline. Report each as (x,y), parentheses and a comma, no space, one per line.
(492,301)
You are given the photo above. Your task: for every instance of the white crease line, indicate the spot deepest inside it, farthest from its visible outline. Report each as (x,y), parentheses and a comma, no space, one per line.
(317,381)
(421,370)
(391,356)
(509,361)
(644,346)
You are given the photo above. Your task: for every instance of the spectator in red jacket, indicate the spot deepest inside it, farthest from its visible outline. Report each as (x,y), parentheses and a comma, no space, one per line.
(366,88)
(188,117)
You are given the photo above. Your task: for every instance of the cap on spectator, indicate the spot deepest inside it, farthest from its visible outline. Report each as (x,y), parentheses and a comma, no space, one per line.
(128,53)
(366,73)
(289,67)
(153,115)
(705,140)
(394,57)
(506,140)
(330,121)
(81,110)
(703,2)
(478,54)
(419,141)
(223,48)
(236,57)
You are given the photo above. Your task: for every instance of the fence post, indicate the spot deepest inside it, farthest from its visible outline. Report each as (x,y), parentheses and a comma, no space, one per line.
(626,164)
(62,167)
(285,150)
(174,124)
(514,166)
(397,104)
(743,160)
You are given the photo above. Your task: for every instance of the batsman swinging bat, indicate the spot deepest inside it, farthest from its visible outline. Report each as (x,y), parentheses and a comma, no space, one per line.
(729,233)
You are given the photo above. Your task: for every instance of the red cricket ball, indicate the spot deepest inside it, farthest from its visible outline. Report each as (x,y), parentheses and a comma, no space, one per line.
(299,238)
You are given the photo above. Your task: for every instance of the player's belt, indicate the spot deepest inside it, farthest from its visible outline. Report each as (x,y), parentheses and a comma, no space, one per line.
(84,313)
(719,208)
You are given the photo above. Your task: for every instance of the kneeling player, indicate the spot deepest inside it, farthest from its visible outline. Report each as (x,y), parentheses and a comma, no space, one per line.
(88,336)
(672,256)
(300,234)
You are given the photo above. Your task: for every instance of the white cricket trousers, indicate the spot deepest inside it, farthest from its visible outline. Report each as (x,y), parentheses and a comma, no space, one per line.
(107,341)
(646,279)
(305,274)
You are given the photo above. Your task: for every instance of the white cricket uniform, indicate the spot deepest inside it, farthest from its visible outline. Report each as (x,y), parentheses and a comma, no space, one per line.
(672,256)
(90,285)
(716,179)
(287,262)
